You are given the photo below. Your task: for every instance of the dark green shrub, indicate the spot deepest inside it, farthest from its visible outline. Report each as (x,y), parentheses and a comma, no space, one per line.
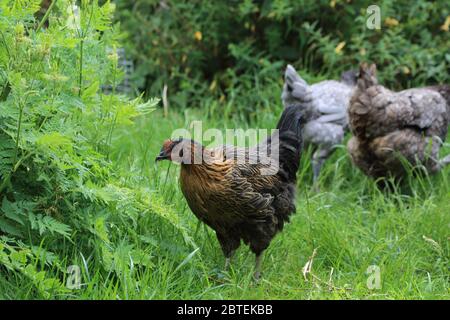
(193,46)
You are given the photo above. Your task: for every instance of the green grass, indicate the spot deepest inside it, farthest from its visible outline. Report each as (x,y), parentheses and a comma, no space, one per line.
(351,223)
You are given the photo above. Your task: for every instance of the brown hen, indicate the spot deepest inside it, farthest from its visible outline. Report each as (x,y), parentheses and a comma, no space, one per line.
(236,191)
(391,127)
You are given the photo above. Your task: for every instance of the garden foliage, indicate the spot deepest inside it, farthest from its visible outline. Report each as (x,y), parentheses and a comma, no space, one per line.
(230,49)
(61,197)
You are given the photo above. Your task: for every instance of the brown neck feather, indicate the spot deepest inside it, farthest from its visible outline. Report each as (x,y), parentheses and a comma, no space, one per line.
(214,167)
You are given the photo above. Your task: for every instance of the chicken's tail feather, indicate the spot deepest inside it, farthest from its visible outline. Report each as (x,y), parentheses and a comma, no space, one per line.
(295,90)
(290,141)
(367,76)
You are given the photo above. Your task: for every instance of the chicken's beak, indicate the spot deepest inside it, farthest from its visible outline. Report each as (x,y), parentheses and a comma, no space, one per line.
(162,156)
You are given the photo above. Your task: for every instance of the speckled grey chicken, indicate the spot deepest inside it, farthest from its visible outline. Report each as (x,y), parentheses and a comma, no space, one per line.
(391,127)
(325,110)
(227,188)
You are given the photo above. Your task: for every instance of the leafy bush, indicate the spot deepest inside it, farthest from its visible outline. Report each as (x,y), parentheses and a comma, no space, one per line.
(201,48)
(60,195)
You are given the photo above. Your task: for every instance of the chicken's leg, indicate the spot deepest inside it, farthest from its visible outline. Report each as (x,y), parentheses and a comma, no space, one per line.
(228,260)
(258,261)
(229,245)
(227,264)
(319,157)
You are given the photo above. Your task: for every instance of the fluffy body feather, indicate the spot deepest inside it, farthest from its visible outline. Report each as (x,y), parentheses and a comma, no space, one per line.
(325,108)
(390,127)
(234,198)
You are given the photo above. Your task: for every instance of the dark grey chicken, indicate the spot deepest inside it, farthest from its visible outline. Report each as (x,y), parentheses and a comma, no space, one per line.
(390,127)
(325,111)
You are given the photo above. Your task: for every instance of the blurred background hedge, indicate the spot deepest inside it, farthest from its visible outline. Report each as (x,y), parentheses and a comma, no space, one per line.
(229,48)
